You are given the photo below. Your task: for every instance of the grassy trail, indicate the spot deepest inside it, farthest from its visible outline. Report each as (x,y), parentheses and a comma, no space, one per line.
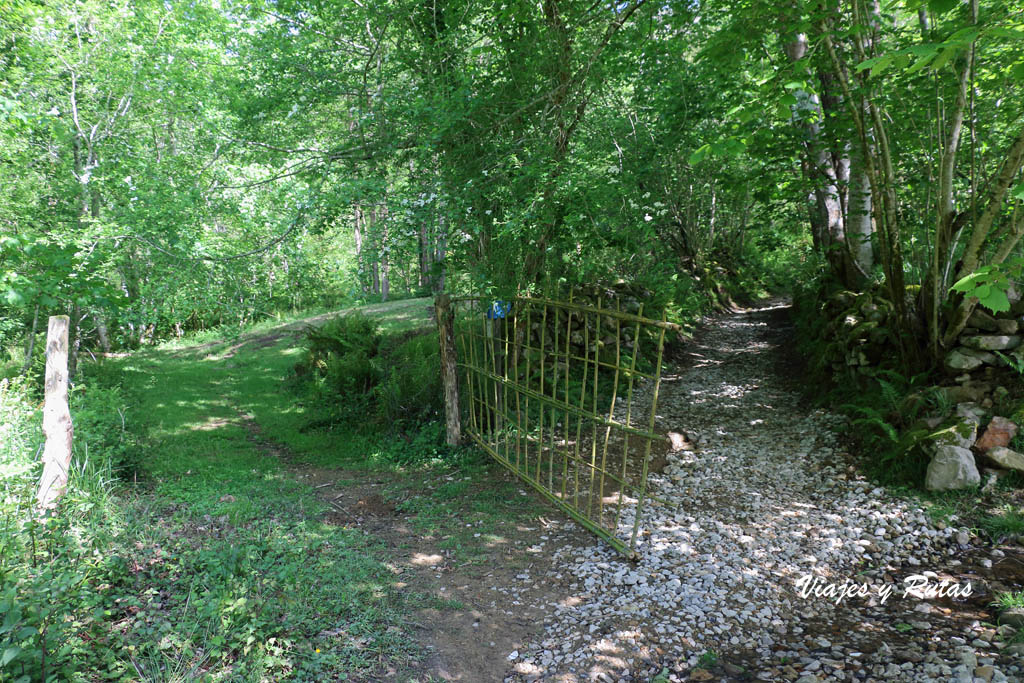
(244,572)
(239,574)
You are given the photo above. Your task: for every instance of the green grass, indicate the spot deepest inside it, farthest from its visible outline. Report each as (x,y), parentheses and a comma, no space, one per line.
(208,559)
(1009,600)
(1005,522)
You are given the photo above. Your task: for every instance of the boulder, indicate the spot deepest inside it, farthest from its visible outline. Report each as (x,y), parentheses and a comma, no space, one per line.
(957,361)
(961,434)
(991,342)
(999,432)
(1006,326)
(970,411)
(969,392)
(983,321)
(984,356)
(952,467)
(1013,616)
(1004,457)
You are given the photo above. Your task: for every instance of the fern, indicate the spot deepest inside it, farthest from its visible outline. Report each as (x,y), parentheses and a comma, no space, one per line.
(872,418)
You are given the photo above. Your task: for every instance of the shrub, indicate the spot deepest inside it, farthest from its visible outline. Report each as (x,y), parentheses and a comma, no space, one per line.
(394,379)
(411,390)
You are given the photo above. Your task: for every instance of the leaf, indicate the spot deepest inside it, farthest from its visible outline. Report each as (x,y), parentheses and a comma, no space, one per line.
(996,301)
(699,154)
(867,64)
(944,58)
(9,655)
(942,6)
(1017,72)
(970,282)
(788,100)
(921,63)
(884,63)
(1018,192)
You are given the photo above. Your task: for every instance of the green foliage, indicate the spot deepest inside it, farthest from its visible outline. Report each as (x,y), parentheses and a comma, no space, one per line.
(1006,522)
(344,352)
(411,390)
(360,372)
(708,659)
(884,404)
(1009,599)
(989,284)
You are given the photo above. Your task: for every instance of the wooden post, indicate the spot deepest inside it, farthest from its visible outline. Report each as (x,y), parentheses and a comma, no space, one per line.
(449,376)
(56,417)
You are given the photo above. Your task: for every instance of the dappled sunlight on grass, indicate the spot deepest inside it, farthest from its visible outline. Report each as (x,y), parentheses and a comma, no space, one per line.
(251,571)
(426,560)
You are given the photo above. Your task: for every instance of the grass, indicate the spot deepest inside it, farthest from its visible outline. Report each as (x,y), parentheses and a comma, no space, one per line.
(213,561)
(1003,522)
(1009,600)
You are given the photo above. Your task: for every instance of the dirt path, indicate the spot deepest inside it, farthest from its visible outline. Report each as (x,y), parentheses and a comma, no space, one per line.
(763,497)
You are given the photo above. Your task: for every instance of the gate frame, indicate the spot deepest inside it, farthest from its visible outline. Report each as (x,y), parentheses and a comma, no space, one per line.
(472,372)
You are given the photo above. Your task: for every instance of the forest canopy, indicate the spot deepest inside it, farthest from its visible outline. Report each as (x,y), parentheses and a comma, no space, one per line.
(170,166)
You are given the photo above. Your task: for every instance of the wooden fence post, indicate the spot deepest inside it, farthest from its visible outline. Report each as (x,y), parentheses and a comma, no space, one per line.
(56,417)
(449,374)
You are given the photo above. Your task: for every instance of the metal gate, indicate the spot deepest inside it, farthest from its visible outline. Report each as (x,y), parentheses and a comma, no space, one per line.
(564,395)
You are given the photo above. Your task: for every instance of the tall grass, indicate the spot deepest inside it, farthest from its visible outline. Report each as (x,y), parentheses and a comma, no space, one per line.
(50,567)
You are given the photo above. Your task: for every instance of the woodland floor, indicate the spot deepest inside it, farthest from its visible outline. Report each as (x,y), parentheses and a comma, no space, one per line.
(493,584)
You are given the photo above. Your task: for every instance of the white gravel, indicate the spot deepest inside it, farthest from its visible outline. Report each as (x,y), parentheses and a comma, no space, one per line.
(764,499)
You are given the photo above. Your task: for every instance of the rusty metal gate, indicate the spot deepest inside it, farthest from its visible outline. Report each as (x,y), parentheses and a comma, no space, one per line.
(564,395)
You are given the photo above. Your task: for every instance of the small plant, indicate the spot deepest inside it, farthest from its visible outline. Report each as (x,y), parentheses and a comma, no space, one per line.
(1016,363)
(708,660)
(1005,523)
(1009,600)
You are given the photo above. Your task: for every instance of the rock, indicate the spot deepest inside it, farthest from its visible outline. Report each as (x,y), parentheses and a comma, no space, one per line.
(973,392)
(971,411)
(983,356)
(999,432)
(991,342)
(985,672)
(983,321)
(956,360)
(1004,457)
(1013,617)
(952,467)
(732,669)
(701,675)
(1006,326)
(960,434)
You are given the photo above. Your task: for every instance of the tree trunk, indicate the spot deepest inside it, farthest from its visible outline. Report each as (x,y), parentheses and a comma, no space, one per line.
(76,339)
(30,345)
(104,335)
(859,225)
(56,418)
(823,172)
(385,262)
(449,376)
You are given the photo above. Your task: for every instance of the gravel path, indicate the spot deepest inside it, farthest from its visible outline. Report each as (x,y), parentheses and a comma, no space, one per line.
(766,502)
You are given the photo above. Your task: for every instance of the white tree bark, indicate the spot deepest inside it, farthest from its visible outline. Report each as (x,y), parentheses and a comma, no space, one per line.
(56,417)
